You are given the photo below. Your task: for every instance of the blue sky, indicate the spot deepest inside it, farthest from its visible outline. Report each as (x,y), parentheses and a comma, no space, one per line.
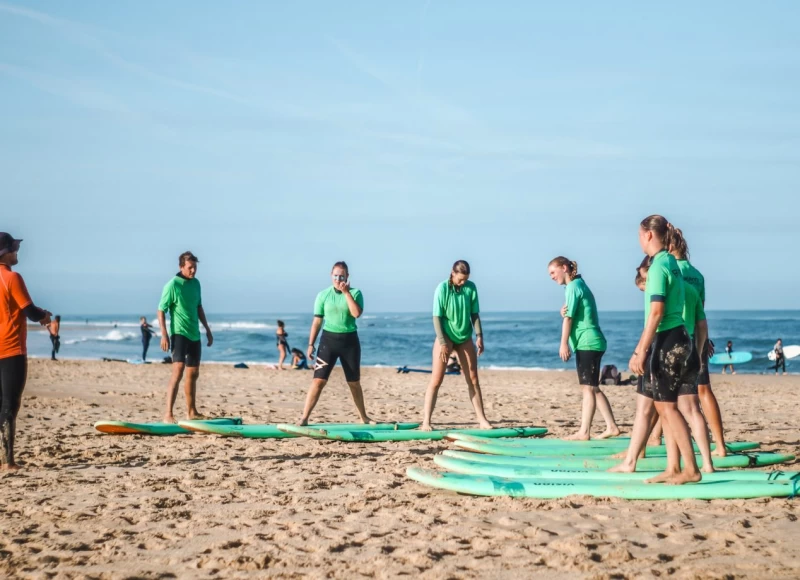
(273,139)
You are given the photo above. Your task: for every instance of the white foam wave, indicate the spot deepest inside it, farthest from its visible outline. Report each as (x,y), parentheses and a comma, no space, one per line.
(113,336)
(241,325)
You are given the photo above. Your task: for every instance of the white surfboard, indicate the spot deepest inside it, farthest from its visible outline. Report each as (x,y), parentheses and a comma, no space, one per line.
(791,351)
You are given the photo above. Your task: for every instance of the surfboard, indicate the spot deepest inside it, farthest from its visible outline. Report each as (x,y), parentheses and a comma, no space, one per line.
(789,352)
(128,428)
(646,464)
(406,370)
(555,447)
(516,472)
(559,488)
(735,358)
(372,436)
(271,431)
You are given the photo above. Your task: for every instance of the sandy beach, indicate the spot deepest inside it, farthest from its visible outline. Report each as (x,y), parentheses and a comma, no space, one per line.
(96,506)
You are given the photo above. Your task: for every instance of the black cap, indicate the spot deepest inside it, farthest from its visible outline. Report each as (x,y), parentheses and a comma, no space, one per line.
(8,243)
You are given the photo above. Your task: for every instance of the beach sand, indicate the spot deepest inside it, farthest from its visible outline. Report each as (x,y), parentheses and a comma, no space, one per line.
(98,506)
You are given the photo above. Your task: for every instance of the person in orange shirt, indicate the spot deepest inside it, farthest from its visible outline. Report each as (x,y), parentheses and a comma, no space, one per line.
(15,306)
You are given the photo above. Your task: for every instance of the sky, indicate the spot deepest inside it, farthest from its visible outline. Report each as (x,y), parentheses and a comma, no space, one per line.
(275,138)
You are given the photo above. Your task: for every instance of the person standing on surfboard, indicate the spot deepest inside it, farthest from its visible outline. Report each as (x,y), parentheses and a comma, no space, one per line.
(337,307)
(456,313)
(581,332)
(15,306)
(182,299)
(665,333)
(688,401)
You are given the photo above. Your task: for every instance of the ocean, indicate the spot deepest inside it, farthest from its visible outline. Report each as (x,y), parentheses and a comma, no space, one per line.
(513,340)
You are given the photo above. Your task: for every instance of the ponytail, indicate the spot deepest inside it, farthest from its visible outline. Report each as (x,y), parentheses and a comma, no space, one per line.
(679,248)
(661,227)
(571,266)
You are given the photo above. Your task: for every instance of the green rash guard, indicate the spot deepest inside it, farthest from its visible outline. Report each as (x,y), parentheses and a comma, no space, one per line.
(665,284)
(582,309)
(694,278)
(332,306)
(456,309)
(181,298)
(693,311)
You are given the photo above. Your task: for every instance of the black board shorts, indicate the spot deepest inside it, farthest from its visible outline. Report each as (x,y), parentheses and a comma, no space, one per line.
(185,351)
(688,375)
(703,377)
(341,346)
(669,364)
(588,363)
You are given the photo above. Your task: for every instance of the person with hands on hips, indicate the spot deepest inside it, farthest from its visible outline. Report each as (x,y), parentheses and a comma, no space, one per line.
(335,312)
(456,313)
(182,299)
(15,306)
(580,330)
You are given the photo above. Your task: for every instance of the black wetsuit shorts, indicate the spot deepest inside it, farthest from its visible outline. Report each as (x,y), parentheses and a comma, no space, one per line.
(13,374)
(186,351)
(588,363)
(344,347)
(669,367)
(703,378)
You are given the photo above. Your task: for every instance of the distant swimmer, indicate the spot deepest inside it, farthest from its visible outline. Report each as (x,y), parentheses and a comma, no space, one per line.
(729,352)
(336,310)
(299,360)
(147,333)
(182,299)
(54,327)
(580,331)
(456,315)
(282,343)
(780,358)
(679,248)
(15,306)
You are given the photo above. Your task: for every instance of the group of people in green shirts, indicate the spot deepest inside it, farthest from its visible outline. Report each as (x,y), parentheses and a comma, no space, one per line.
(670,358)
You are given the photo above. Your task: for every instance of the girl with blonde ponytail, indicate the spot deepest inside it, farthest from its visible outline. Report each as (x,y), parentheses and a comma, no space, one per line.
(580,331)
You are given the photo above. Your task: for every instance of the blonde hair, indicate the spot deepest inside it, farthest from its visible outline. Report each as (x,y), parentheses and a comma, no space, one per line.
(572,266)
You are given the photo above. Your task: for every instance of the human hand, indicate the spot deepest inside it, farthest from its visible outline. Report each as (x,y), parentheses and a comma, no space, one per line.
(564,352)
(564,311)
(310,351)
(636,364)
(445,350)
(165,343)
(209,336)
(479,345)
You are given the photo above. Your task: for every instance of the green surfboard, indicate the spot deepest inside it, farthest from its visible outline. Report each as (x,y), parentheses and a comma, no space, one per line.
(271,431)
(559,488)
(372,436)
(519,448)
(466,467)
(127,428)
(646,464)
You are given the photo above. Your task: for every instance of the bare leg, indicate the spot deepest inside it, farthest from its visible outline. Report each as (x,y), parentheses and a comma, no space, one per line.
(190,389)
(641,427)
(281,356)
(437,376)
(608,415)
(673,459)
(587,414)
(689,406)
(312,398)
(675,426)
(655,434)
(468,358)
(711,410)
(358,399)
(172,390)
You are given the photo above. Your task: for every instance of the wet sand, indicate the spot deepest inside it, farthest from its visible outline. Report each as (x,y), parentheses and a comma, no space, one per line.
(97,506)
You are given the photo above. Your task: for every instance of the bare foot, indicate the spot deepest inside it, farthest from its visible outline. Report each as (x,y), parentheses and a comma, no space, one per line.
(169,419)
(577,437)
(707,469)
(610,432)
(302,423)
(663,477)
(368,421)
(720,451)
(425,427)
(654,443)
(623,467)
(684,477)
(10,467)
(485,425)
(196,416)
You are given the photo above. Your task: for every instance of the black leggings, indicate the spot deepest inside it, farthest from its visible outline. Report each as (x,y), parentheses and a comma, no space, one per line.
(145,346)
(344,347)
(13,374)
(779,362)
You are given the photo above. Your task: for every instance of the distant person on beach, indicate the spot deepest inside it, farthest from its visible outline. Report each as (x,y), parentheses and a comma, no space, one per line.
(452,365)
(15,306)
(54,327)
(679,248)
(147,333)
(729,352)
(610,373)
(283,344)
(580,331)
(182,299)
(299,360)
(456,314)
(337,308)
(666,338)
(780,359)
